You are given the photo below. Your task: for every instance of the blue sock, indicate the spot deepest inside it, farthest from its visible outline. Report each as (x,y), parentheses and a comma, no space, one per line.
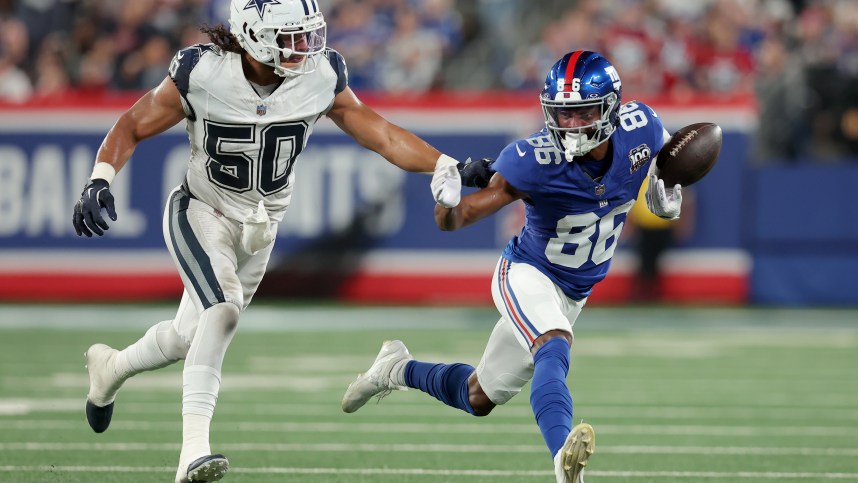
(448,383)
(549,395)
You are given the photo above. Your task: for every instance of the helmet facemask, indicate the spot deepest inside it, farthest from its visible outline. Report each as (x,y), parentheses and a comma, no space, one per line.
(299,49)
(280,36)
(579,140)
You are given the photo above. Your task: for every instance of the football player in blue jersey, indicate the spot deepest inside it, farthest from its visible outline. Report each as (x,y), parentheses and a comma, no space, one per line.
(578,179)
(250,100)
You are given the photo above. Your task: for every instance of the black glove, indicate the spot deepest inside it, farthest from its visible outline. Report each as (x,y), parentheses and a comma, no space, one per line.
(87,217)
(476,174)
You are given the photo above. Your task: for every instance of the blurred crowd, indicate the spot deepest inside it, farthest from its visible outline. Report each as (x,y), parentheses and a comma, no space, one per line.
(797,58)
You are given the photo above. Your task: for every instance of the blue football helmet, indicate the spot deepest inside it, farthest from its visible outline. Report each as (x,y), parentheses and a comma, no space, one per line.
(581,79)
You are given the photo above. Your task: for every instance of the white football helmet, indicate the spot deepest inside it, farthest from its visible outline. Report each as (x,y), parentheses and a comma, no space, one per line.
(277,32)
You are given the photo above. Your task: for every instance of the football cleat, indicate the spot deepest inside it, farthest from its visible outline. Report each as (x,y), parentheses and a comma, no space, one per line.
(376,380)
(103,385)
(211,467)
(570,461)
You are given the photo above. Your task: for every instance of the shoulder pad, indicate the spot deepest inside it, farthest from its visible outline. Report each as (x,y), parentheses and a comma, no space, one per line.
(180,70)
(339,66)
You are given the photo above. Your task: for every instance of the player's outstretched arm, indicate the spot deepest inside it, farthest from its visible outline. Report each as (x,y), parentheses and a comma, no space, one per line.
(154,113)
(397,145)
(400,147)
(478,205)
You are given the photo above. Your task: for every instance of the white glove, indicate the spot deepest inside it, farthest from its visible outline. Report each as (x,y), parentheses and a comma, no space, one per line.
(663,202)
(446,182)
(256,232)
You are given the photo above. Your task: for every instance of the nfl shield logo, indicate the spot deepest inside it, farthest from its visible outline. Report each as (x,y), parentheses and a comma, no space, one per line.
(261,109)
(600,190)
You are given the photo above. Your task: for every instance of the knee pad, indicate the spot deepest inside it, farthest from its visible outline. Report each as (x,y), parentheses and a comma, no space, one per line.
(223,318)
(213,335)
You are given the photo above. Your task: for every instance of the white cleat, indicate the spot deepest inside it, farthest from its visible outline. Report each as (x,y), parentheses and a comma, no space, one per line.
(103,385)
(376,380)
(570,461)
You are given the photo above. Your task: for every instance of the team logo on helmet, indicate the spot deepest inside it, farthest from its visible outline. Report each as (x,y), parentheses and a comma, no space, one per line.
(259,5)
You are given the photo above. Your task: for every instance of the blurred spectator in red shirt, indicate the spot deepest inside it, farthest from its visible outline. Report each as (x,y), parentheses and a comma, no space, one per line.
(721,64)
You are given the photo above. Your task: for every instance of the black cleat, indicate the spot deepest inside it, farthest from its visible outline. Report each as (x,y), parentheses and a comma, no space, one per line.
(98,417)
(208,468)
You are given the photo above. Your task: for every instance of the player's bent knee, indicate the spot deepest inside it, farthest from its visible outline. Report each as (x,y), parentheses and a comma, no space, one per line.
(481,404)
(551,334)
(224,316)
(477,398)
(172,345)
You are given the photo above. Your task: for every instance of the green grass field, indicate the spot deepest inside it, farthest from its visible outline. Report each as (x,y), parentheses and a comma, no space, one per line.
(675,395)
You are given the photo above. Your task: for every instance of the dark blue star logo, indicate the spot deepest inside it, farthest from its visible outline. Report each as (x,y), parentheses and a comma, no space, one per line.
(260,5)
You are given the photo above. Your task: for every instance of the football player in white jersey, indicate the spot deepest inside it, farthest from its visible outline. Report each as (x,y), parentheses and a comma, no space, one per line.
(578,178)
(250,100)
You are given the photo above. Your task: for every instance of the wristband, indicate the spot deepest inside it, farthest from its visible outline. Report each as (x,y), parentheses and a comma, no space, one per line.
(104,171)
(445,160)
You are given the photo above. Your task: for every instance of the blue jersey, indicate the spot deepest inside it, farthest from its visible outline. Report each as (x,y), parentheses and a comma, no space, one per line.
(573,222)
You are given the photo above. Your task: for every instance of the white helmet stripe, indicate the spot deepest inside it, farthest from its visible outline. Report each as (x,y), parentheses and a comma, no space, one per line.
(315,6)
(306,9)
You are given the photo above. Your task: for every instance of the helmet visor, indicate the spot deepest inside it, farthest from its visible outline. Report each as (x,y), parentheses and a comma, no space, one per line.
(292,43)
(296,50)
(580,117)
(576,126)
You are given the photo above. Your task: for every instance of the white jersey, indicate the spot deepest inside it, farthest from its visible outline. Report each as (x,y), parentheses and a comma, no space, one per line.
(244,147)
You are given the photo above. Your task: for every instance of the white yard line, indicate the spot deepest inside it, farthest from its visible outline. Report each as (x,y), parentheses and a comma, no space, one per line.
(430,448)
(426,428)
(791,324)
(24,406)
(442,472)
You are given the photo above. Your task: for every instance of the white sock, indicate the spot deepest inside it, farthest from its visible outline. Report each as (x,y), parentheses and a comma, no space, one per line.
(397,372)
(195,438)
(195,442)
(199,397)
(201,379)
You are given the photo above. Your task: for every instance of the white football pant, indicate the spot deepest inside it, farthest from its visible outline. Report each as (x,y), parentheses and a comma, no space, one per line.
(530,305)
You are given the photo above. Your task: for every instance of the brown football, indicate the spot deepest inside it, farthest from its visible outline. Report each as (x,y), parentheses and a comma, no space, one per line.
(689,154)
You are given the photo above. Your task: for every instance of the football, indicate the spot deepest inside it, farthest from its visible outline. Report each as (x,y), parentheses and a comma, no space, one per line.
(689,154)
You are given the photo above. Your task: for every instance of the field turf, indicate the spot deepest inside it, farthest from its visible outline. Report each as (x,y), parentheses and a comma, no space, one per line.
(674,394)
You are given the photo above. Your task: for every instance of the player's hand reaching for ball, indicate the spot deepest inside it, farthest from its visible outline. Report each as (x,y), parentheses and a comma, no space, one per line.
(87,217)
(663,202)
(446,182)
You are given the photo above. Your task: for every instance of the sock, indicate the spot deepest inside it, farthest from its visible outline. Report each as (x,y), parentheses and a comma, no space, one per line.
(397,373)
(201,378)
(195,442)
(200,388)
(549,394)
(448,383)
(195,438)
(159,347)
(199,397)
